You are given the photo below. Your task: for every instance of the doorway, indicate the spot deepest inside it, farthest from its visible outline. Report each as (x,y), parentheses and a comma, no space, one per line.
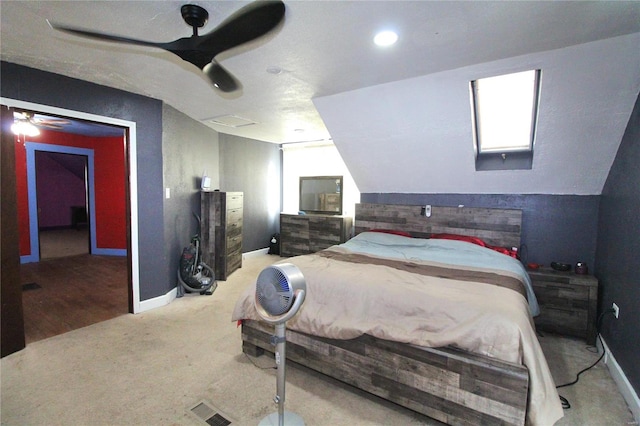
(126,262)
(62,199)
(45,188)
(63,290)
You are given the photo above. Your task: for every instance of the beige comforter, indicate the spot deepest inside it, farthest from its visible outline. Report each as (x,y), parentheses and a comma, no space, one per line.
(346,299)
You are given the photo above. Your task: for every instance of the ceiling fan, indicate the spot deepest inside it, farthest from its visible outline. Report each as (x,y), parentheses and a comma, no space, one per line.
(25,122)
(246,24)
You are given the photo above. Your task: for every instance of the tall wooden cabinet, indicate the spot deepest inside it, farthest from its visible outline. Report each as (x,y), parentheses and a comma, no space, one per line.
(221,214)
(304,234)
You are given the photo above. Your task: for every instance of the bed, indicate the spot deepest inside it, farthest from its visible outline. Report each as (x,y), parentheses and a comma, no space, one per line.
(450,338)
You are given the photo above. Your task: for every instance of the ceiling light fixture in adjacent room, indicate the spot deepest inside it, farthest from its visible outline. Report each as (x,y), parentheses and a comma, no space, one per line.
(385,38)
(23,126)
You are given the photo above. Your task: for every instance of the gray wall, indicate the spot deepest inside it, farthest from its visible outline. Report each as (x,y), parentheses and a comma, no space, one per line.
(31,85)
(254,168)
(618,249)
(560,228)
(189,148)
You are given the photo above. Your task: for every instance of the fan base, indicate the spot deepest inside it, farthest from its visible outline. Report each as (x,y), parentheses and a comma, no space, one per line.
(290,419)
(194,15)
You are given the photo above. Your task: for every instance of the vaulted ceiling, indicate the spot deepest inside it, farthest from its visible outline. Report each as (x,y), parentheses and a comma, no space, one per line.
(399,116)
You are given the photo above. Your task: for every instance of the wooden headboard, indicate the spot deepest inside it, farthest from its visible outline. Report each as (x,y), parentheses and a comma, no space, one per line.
(499,227)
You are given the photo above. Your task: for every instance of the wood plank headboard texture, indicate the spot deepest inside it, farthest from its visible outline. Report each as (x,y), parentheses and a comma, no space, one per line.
(499,227)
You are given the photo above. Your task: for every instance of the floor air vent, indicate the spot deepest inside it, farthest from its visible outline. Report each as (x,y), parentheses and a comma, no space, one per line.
(218,420)
(30,286)
(210,415)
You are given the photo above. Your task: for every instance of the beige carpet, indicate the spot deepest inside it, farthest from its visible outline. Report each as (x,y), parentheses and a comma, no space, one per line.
(151,368)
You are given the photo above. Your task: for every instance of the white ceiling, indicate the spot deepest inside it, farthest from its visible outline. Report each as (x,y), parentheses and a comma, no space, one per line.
(422,126)
(405,106)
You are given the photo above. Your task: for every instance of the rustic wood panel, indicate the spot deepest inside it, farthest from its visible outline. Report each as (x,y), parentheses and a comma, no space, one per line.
(500,227)
(304,234)
(450,385)
(568,302)
(221,231)
(294,235)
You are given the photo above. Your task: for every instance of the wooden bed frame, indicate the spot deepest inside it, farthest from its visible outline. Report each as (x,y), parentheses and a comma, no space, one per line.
(450,385)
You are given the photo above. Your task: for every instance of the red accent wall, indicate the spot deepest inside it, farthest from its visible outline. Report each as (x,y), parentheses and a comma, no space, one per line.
(109,179)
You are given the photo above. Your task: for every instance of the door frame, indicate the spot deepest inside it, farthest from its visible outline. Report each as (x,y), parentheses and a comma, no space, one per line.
(31,148)
(132,166)
(87,187)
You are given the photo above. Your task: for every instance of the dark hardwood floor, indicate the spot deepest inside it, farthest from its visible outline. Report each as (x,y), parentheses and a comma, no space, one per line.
(63,294)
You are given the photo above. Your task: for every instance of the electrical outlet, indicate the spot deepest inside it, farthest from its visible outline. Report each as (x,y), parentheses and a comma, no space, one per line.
(616,310)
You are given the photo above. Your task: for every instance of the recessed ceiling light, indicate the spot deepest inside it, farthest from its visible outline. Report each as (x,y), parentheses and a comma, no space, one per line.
(385,38)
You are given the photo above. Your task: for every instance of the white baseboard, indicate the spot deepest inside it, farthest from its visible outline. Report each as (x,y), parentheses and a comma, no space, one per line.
(156,302)
(628,393)
(254,253)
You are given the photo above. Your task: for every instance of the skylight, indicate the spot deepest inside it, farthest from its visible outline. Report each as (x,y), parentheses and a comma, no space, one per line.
(504,117)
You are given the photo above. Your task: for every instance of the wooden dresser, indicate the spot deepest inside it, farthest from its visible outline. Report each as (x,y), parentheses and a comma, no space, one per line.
(304,234)
(568,302)
(221,214)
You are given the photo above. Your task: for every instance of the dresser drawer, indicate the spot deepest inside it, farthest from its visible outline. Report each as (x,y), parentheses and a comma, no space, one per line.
(561,295)
(234,215)
(234,200)
(234,242)
(234,261)
(563,321)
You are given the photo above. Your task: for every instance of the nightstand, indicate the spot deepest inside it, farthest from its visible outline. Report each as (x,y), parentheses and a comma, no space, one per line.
(568,302)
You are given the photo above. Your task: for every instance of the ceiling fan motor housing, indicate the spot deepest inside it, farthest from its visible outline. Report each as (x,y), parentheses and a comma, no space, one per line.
(195,16)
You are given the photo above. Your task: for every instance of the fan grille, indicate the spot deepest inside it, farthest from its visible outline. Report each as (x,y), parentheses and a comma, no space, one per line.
(274,292)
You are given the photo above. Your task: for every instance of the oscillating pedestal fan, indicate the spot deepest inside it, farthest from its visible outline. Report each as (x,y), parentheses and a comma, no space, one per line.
(280,291)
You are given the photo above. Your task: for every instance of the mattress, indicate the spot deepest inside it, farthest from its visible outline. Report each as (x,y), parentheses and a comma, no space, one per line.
(428,293)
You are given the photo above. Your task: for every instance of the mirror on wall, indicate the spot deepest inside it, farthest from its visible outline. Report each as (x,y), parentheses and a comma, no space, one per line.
(321,195)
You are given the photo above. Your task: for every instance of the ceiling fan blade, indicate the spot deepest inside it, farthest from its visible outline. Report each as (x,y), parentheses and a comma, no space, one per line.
(106,37)
(246,24)
(221,78)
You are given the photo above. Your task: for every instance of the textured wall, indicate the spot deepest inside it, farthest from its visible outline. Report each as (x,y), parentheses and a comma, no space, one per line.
(31,85)
(253,168)
(617,252)
(554,227)
(189,148)
(109,179)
